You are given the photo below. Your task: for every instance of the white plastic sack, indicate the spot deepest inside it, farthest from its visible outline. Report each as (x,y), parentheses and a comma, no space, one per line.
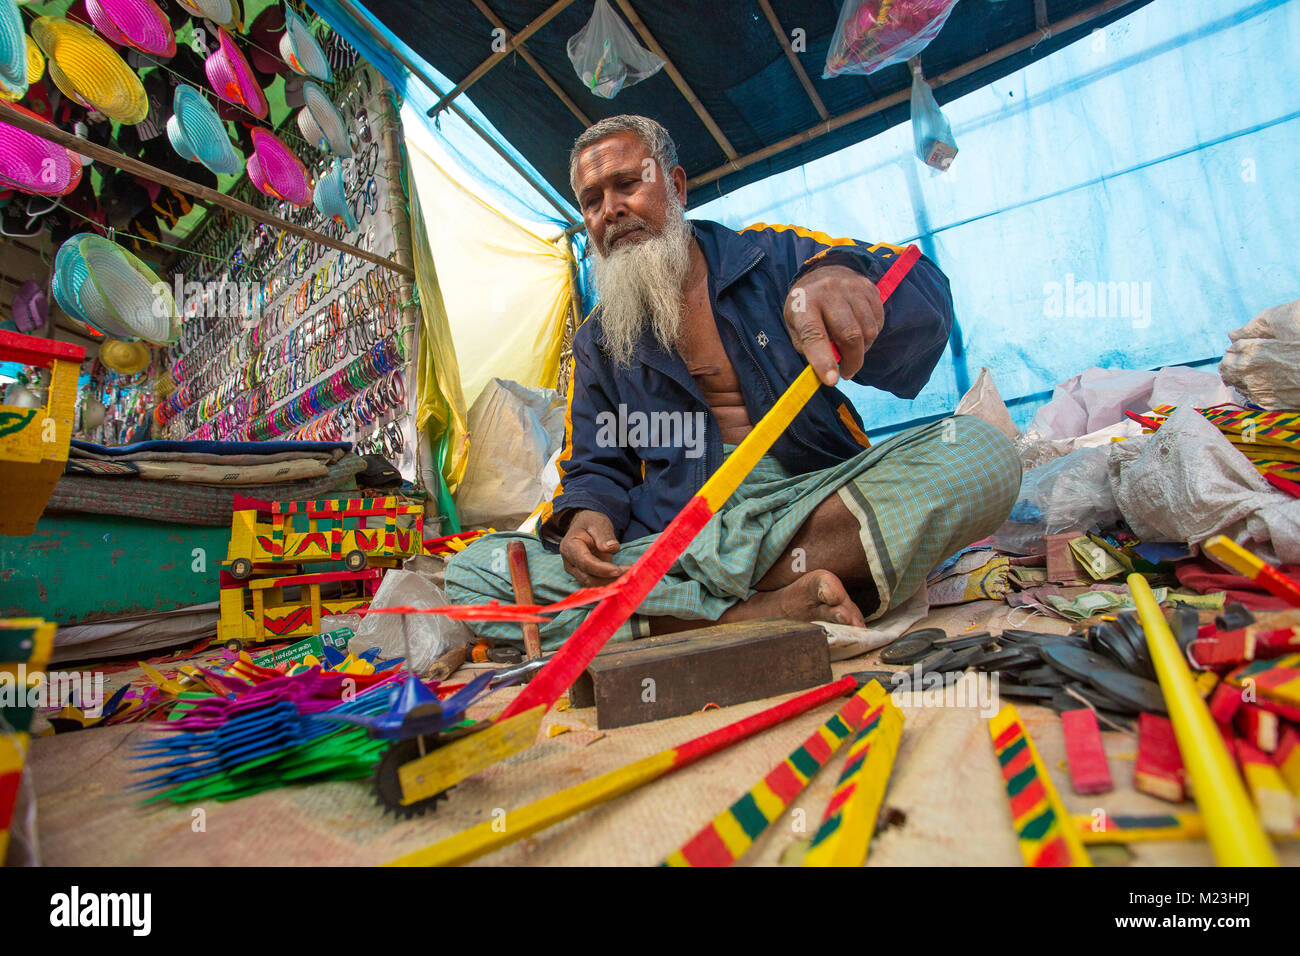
(1180,385)
(983,401)
(513,431)
(1093,399)
(606,54)
(1264,358)
(1069,494)
(429,635)
(931,134)
(1187,482)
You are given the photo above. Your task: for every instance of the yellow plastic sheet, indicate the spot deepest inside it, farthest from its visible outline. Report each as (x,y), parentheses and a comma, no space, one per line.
(504,283)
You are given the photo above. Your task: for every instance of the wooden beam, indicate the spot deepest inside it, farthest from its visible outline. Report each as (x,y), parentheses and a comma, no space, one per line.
(799,71)
(481,70)
(972,66)
(134,166)
(678,80)
(537,67)
(363,19)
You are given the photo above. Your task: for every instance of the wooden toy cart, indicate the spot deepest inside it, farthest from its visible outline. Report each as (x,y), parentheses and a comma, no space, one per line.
(34,441)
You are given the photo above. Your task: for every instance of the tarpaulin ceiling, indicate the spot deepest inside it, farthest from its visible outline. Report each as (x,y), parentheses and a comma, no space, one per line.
(729,56)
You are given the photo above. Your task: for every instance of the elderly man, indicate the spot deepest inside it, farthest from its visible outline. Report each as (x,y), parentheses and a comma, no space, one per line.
(698,330)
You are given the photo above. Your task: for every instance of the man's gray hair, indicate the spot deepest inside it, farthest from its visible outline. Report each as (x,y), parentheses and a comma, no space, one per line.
(654,136)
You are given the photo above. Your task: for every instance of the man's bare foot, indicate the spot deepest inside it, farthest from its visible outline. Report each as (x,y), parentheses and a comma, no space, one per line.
(819,596)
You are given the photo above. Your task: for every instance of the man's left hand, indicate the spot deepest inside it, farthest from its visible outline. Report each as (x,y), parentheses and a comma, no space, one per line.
(834,304)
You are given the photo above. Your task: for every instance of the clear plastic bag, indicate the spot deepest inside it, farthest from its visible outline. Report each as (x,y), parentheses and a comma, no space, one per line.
(875,33)
(606,54)
(430,635)
(1069,494)
(935,144)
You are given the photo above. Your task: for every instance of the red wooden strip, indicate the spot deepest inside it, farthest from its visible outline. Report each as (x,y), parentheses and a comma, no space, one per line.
(30,350)
(1258,726)
(1006,737)
(1159,769)
(1225,649)
(1089,771)
(1224,703)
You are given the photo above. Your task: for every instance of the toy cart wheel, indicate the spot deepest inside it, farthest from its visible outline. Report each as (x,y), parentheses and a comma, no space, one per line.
(234,644)
(241,568)
(355,560)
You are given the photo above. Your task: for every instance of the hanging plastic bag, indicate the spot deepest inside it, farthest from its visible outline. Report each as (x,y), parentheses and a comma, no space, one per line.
(935,144)
(875,33)
(607,56)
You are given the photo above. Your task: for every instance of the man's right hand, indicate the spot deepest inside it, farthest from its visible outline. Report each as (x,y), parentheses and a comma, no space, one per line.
(587,547)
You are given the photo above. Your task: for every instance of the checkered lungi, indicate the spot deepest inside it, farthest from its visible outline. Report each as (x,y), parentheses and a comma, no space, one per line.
(918,498)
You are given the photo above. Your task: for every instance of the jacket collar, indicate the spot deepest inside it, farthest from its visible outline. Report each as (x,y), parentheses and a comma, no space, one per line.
(729,254)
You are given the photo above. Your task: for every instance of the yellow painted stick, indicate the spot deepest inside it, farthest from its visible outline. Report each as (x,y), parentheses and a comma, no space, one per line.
(1235,834)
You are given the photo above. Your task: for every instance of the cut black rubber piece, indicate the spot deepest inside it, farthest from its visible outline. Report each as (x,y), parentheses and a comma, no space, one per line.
(1025,691)
(1101,700)
(1009,659)
(1136,691)
(906,650)
(960,660)
(936,661)
(983,639)
(1078,663)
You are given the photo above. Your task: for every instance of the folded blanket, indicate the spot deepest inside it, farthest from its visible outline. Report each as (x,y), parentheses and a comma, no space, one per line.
(211,452)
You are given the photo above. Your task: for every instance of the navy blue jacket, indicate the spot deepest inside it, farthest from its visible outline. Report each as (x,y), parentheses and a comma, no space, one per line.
(750,273)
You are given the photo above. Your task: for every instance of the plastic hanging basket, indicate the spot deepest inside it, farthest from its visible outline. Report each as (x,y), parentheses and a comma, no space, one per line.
(232,78)
(137,23)
(275,171)
(13,50)
(330,199)
(77,294)
(197,133)
(33,164)
(871,34)
(321,123)
(135,297)
(301,51)
(89,71)
(606,55)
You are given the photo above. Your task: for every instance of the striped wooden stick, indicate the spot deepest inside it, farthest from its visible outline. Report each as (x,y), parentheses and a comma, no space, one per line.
(1046,834)
(844,835)
(493,834)
(724,839)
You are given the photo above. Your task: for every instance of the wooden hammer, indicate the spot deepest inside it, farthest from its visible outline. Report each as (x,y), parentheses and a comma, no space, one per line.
(523,587)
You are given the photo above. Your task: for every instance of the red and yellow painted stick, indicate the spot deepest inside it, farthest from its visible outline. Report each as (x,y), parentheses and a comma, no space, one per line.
(1046,833)
(844,835)
(493,834)
(1238,560)
(726,838)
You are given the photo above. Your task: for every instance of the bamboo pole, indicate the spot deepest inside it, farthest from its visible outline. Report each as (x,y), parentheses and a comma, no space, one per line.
(482,69)
(362,19)
(137,168)
(678,80)
(1230,821)
(799,71)
(540,70)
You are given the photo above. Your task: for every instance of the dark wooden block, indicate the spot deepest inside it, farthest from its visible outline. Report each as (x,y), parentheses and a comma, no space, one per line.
(724,665)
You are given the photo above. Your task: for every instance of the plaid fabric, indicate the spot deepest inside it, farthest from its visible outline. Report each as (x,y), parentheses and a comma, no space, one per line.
(918,498)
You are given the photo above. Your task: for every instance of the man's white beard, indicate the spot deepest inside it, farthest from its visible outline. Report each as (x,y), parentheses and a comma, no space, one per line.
(640,285)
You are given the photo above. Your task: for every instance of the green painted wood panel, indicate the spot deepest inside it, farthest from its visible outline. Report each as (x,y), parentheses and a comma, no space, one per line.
(76,569)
